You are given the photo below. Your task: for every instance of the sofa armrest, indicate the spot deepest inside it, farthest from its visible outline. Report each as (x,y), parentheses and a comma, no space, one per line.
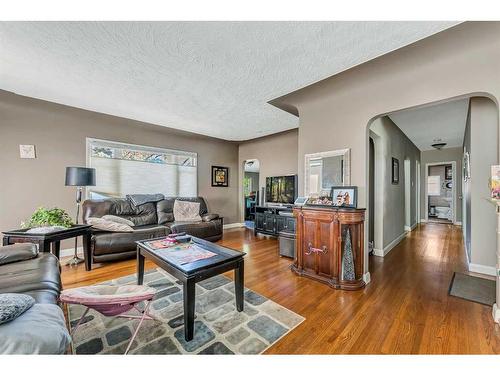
(17,252)
(209,217)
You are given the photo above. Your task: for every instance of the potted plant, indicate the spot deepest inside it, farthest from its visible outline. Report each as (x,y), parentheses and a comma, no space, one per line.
(55,218)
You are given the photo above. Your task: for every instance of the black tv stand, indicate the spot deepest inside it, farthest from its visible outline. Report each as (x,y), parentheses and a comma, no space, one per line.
(271,220)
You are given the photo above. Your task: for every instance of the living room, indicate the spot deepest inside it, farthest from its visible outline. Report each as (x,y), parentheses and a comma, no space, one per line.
(172,187)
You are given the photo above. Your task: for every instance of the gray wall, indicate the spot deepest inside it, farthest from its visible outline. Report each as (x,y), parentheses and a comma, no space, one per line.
(483,154)
(335,112)
(436,156)
(390,142)
(277,155)
(59,134)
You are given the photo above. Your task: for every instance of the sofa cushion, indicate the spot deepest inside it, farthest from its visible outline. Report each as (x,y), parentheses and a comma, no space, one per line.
(119,220)
(144,214)
(13,305)
(199,229)
(186,211)
(40,330)
(110,243)
(107,225)
(165,208)
(38,277)
(17,252)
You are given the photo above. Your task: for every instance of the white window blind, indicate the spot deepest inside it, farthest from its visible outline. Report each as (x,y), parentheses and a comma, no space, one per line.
(123,169)
(434,185)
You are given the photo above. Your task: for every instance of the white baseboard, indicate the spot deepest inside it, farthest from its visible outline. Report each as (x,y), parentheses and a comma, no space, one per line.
(409,229)
(479,268)
(388,248)
(71,251)
(367,278)
(459,223)
(423,220)
(233,225)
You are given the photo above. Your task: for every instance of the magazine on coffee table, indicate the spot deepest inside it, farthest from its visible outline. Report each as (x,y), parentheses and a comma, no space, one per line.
(161,244)
(184,253)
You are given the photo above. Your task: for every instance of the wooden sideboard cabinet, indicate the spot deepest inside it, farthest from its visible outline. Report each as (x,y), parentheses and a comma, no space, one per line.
(330,244)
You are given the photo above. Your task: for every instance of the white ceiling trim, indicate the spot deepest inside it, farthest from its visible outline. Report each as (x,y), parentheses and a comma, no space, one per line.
(211,78)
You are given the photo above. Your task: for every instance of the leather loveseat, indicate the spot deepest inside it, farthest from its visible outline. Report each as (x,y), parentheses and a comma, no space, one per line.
(24,270)
(151,220)
(41,329)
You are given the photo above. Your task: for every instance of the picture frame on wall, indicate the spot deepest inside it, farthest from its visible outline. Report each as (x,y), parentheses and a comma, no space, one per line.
(344,196)
(220,176)
(395,171)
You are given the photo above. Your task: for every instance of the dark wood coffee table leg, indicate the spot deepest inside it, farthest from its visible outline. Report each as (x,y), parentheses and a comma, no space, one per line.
(87,256)
(239,276)
(44,246)
(140,267)
(189,304)
(56,248)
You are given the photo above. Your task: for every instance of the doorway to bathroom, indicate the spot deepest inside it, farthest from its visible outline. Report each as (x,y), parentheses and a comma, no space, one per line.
(440,191)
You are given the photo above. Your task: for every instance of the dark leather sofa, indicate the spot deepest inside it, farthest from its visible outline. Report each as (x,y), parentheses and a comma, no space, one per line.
(24,271)
(42,329)
(151,220)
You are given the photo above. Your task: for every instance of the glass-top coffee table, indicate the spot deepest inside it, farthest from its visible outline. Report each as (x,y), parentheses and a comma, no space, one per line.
(190,273)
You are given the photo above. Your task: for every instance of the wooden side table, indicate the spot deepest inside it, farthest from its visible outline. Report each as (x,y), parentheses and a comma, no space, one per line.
(52,240)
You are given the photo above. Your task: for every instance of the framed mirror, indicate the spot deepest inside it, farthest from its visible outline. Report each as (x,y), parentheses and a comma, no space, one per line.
(326,169)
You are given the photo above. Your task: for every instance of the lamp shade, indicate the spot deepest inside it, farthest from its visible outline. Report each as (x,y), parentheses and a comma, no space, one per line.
(80,176)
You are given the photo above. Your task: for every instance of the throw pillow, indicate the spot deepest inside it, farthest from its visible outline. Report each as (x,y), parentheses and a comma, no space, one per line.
(108,226)
(186,211)
(12,305)
(118,219)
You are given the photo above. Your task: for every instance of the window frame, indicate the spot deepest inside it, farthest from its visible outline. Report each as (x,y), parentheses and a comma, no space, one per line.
(90,141)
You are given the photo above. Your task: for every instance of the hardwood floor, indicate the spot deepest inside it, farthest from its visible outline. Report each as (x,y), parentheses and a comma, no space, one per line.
(406,308)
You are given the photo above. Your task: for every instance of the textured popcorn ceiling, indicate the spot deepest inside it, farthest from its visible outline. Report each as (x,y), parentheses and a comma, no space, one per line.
(212,78)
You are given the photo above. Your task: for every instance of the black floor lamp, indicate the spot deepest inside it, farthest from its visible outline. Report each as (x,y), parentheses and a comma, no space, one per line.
(79,177)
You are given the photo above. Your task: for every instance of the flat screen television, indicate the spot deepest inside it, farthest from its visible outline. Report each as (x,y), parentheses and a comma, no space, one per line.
(281,189)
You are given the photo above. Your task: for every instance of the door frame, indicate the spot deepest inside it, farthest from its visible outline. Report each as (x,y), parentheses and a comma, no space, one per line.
(453,187)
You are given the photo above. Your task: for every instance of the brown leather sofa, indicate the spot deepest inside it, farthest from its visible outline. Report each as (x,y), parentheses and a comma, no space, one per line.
(151,220)
(24,270)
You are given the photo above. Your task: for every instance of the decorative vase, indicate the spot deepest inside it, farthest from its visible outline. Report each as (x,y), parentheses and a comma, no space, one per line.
(347,258)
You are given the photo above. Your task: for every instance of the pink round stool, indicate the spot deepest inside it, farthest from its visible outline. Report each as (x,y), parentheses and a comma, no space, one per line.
(111,300)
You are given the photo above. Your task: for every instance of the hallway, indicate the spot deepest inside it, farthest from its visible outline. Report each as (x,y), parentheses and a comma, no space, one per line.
(406,308)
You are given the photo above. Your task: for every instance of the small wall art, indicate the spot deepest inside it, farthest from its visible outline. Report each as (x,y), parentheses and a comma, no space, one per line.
(220,176)
(27,151)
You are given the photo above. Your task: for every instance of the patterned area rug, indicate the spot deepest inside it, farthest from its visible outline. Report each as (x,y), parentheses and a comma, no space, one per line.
(219,328)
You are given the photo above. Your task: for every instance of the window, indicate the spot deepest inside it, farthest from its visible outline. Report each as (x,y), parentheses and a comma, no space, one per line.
(247,186)
(434,185)
(123,169)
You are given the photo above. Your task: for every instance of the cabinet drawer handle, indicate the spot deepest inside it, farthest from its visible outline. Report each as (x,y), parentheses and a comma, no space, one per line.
(311,249)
